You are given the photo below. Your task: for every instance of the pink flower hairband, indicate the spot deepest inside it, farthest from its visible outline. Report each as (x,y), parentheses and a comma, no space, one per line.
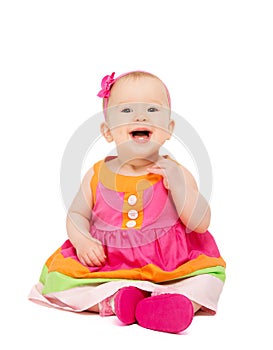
(106,84)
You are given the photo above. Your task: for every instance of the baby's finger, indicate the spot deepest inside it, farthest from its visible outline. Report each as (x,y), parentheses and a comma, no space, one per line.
(85,261)
(99,252)
(162,163)
(100,247)
(158,171)
(102,253)
(94,259)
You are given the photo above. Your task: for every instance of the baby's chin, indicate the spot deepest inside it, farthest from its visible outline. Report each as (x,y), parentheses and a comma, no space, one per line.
(138,150)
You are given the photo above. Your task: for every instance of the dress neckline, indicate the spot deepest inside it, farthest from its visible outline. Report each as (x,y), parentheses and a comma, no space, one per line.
(125,183)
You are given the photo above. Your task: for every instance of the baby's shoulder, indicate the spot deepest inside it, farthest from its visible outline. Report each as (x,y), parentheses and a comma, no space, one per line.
(91,176)
(86,180)
(93,170)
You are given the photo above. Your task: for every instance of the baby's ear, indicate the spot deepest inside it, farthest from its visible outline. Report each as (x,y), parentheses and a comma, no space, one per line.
(105,130)
(171,127)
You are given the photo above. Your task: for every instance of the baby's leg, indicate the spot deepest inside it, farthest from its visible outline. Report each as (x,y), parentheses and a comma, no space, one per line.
(94,308)
(196,306)
(105,307)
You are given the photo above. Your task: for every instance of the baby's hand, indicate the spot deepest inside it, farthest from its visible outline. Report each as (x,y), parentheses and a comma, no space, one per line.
(172,174)
(90,252)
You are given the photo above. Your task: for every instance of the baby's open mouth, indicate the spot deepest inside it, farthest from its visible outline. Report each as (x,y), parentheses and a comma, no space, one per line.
(141,135)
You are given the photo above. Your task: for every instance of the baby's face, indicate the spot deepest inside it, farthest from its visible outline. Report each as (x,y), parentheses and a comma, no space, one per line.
(138,116)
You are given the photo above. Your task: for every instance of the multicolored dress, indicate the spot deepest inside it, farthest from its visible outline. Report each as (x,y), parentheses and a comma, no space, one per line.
(146,245)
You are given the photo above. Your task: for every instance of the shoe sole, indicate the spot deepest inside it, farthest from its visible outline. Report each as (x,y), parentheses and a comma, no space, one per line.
(170,313)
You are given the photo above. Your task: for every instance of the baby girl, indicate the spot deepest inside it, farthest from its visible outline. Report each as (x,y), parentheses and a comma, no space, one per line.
(139,246)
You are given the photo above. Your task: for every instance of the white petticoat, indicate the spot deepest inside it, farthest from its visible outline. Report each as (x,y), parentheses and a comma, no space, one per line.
(202,289)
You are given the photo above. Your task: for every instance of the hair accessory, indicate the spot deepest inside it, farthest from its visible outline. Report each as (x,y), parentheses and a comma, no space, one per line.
(106,84)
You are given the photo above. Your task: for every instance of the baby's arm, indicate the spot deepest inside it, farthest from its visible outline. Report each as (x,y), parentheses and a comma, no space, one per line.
(89,250)
(191,206)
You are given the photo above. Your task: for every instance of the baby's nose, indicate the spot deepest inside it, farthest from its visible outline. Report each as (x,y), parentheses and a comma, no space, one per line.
(141,118)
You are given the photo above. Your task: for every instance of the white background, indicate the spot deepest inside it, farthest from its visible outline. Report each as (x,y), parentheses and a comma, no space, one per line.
(216,59)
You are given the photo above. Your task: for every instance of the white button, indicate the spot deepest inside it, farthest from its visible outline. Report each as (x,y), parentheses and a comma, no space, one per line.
(132,199)
(131,223)
(132,214)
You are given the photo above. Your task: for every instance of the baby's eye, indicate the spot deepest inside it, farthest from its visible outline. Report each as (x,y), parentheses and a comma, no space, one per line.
(152,109)
(126,110)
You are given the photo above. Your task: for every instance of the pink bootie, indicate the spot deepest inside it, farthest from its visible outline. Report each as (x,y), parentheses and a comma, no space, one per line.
(171,313)
(126,301)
